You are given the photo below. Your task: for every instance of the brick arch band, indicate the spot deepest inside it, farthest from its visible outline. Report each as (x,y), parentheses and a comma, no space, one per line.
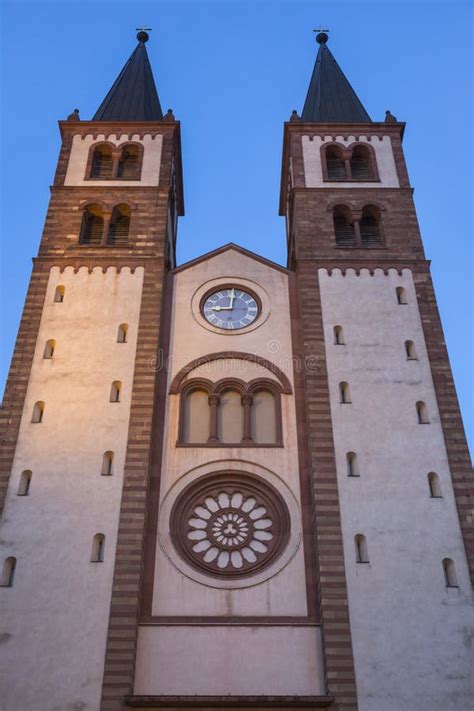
(251,357)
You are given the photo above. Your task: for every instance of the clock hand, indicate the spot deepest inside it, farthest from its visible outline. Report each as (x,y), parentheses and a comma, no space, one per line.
(222,308)
(232,298)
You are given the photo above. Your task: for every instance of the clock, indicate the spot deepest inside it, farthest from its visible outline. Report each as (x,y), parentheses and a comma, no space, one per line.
(230,308)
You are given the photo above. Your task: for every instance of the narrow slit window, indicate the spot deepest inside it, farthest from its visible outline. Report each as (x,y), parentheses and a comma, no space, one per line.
(98,548)
(38,412)
(122,333)
(49,348)
(344,394)
(410,350)
(339,336)
(59,294)
(370,227)
(115,390)
(107,464)
(352,464)
(401,295)
(101,165)
(92,226)
(450,576)
(129,163)
(422,413)
(25,482)
(361,168)
(336,168)
(434,486)
(8,572)
(362,554)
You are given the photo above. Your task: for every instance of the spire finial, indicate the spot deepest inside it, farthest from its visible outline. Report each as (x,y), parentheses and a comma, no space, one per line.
(142,34)
(322,36)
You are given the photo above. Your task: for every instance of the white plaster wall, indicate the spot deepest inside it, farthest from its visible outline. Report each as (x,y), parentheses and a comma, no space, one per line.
(412,636)
(384,156)
(76,169)
(229,660)
(55,617)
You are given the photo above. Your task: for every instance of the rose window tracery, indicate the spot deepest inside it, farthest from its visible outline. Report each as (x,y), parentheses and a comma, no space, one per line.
(230,525)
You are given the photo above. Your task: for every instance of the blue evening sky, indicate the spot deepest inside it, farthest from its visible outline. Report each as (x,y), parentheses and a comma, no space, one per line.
(232,71)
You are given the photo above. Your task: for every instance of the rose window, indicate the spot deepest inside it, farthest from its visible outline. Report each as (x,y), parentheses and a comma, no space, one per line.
(230,525)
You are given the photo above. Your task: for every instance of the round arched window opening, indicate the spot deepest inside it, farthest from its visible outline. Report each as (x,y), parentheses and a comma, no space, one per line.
(230,525)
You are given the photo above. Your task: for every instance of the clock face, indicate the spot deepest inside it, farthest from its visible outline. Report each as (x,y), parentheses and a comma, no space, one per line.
(230,308)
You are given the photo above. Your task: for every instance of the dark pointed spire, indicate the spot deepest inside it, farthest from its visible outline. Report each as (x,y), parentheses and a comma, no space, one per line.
(330,97)
(133,96)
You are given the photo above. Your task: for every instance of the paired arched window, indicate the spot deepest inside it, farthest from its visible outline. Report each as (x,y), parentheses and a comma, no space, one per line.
(98,548)
(38,412)
(99,227)
(8,572)
(344,393)
(107,464)
(230,413)
(25,482)
(352,464)
(343,226)
(434,486)
(358,229)
(109,162)
(49,348)
(59,294)
(361,550)
(101,164)
(410,350)
(422,413)
(450,576)
(115,390)
(348,163)
(119,226)
(92,227)
(338,336)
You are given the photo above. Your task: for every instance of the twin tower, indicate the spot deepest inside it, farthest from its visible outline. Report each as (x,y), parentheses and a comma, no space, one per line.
(228,483)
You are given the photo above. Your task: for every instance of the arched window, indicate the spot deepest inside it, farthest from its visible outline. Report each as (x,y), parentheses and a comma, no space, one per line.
(230,417)
(336,168)
(370,226)
(24,485)
(38,411)
(107,464)
(422,413)
(361,167)
(101,165)
(92,227)
(119,225)
(196,419)
(343,227)
(263,420)
(8,572)
(129,163)
(344,393)
(352,464)
(401,296)
(362,554)
(434,486)
(98,548)
(339,336)
(59,294)
(450,576)
(410,350)
(49,348)
(115,389)
(122,333)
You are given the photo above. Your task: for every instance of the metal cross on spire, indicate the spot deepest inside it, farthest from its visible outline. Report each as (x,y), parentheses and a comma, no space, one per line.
(322,36)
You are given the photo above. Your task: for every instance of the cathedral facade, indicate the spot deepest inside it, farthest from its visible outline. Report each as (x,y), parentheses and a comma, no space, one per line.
(229,483)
